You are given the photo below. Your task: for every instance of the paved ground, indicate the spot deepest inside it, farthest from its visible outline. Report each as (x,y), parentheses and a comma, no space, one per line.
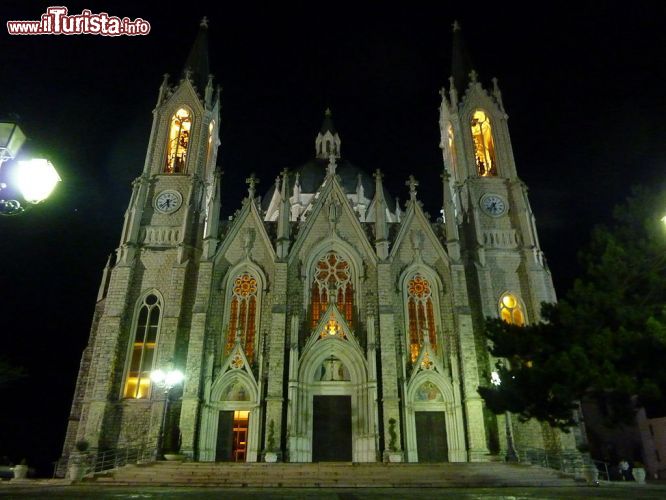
(634,492)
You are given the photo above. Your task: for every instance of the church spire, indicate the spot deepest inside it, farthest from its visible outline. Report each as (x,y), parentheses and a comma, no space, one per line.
(196,66)
(461,62)
(381,225)
(328,142)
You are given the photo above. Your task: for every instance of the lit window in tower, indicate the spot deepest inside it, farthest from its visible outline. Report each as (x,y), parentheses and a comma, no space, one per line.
(243,314)
(179,140)
(510,310)
(209,155)
(332,275)
(420,314)
(452,150)
(137,383)
(484,147)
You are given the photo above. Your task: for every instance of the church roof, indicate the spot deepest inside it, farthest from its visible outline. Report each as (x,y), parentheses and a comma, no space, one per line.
(312,174)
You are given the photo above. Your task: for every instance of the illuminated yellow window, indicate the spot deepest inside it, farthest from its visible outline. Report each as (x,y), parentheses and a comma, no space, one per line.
(137,384)
(179,141)
(420,315)
(243,314)
(484,147)
(510,310)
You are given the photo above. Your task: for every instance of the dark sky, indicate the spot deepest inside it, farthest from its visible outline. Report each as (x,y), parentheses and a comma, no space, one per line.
(583,85)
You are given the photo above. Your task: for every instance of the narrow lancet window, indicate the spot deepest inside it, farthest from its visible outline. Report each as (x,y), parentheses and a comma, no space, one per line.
(484,147)
(179,141)
(332,275)
(510,310)
(453,156)
(420,315)
(137,384)
(243,314)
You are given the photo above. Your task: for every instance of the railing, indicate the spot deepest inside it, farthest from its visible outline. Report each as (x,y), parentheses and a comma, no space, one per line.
(571,462)
(106,460)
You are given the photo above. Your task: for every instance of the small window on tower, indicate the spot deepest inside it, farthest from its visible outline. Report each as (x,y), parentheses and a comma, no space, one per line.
(511,310)
(484,147)
(179,140)
(209,155)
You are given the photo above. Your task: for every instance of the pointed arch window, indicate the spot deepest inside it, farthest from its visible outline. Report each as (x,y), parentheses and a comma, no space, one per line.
(209,155)
(484,146)
(243,314)
(453,155)
(332,276)
(179,141)
(510,310)
(142,355)
(420,315)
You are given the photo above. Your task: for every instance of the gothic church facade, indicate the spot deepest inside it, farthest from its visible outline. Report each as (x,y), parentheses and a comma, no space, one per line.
(325,320)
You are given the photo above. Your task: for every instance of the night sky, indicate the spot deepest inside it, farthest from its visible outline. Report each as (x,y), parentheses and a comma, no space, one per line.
(584,88)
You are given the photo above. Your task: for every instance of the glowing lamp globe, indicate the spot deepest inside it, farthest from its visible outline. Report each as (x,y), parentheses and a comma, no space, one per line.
(158,376)
(36,179)
(174,377)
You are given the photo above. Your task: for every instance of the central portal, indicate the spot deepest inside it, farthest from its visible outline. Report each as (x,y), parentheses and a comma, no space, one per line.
(331,429)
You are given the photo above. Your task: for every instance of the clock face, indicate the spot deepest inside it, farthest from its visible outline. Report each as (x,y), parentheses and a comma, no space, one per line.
(494,205)
(168,201)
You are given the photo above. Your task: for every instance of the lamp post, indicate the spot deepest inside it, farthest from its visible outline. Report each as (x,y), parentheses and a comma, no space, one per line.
(166,380)
(35,179)
(511,454)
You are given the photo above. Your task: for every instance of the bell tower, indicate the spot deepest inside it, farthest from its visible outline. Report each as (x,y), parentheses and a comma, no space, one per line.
(171,200)
(488,216)
(142,320)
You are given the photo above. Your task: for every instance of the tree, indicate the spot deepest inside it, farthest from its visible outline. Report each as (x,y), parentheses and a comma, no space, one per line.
(605,339)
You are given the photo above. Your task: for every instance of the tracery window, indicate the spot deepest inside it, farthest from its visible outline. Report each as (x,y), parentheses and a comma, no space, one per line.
(420,314)
(243,314)
(332,275)
(179,141)
(484,146)
(137,382)
(510,310)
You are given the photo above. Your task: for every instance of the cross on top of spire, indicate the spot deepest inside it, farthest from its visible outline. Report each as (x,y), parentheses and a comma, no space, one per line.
(378,175)
(252,182)
(456,25)
(204,22)
(412,183)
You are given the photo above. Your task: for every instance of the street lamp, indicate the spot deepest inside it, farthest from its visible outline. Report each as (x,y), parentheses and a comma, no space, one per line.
(511,454)
(166,380)
(35,179)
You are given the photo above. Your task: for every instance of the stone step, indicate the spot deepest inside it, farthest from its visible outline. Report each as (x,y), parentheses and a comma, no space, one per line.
(331,475)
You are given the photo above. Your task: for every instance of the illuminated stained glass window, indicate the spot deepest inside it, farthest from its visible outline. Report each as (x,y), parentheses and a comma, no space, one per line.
(137,384)
(332,275)
(484,147)
(510,310)
(420,314)
(243,314)
(179,141)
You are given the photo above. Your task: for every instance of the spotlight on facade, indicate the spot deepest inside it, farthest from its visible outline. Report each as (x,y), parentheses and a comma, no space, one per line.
(495,378)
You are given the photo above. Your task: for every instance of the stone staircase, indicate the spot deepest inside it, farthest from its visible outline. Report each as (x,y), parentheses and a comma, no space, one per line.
(331,475)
